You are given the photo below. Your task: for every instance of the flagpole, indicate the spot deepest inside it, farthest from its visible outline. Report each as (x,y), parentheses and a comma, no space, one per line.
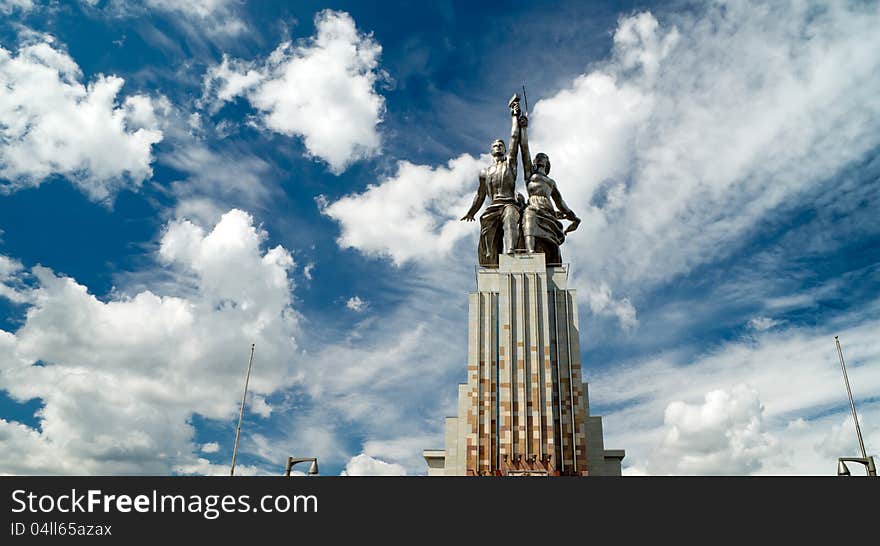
(851,403)
(241,413)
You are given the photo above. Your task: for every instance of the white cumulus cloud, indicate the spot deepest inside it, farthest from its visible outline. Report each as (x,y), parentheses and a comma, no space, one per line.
(321,89)
(762,323)
(413,214)
(120,378)
(724,434)
(602,302)
(53,124)
(260,406)
(356,304)
(10,284)
(364,465)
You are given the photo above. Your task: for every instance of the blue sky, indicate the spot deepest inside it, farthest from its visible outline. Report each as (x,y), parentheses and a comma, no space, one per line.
(179,181)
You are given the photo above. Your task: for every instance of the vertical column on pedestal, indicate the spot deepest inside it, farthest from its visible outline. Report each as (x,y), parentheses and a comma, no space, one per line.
(573,447)
(536,434)
(562,383)
(555,377)
(486,358)
(546,379)
(462,465)
(481,390)
(493,386)
(521,380)
(566,382)
(473,369)
(577,385)
(478,402)
(505,370)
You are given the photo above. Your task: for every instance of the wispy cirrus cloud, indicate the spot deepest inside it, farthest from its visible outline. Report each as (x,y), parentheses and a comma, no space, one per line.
(217,17)
(10,6)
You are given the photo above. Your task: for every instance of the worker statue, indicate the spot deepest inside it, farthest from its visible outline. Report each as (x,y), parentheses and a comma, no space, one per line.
(509,222)
(500,222)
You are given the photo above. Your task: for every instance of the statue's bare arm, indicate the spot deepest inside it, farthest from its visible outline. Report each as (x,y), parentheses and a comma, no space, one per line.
(557,198)
(524,148)
(478,199)
(564,211)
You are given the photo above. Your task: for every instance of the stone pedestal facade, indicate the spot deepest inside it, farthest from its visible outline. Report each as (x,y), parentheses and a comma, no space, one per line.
(524,409)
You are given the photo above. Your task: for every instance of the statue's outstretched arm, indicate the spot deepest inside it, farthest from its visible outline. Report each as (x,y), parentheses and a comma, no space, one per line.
(478,199)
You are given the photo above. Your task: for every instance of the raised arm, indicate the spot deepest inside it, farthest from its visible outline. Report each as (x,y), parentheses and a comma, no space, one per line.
(524,148)
(478,198)
(513,149)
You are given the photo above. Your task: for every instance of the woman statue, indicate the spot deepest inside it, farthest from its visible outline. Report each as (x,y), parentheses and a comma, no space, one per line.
(541,227)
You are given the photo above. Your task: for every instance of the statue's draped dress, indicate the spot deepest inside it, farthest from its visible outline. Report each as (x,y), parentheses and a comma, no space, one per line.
(539,219)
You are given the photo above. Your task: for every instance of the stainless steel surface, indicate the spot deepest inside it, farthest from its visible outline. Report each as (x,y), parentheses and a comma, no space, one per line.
(511,221)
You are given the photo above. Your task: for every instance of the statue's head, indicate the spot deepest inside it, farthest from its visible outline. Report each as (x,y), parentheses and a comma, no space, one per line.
(497,148)
(541,163)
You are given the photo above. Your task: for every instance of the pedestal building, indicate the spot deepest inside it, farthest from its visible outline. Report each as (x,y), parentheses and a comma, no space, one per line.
(525,408)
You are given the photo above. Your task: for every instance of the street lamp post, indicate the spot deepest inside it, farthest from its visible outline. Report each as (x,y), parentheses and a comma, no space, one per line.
(842,470)
(313,468)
